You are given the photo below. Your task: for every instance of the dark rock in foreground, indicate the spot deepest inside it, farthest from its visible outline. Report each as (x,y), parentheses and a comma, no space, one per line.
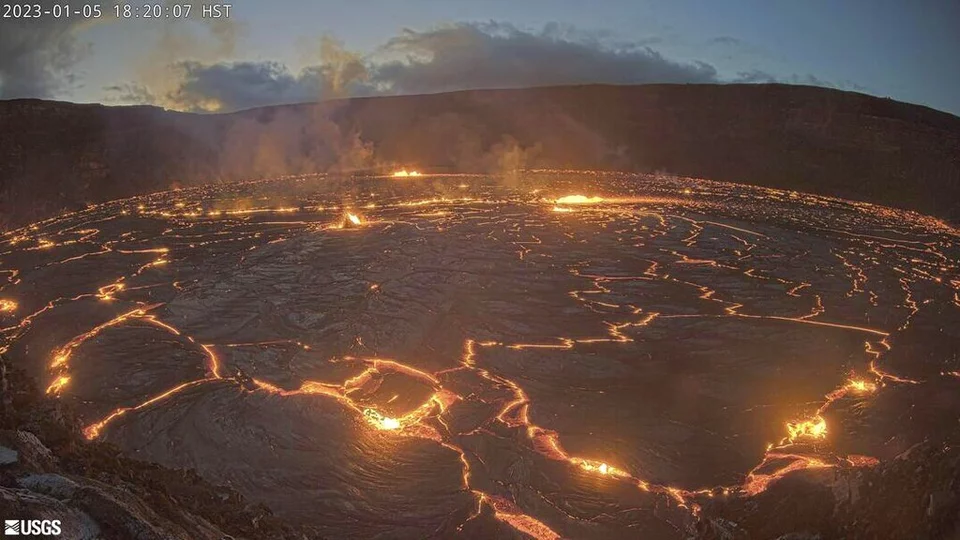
(97,493)
(913,496)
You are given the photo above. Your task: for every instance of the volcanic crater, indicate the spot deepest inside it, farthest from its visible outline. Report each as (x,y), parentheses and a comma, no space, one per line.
(556,354)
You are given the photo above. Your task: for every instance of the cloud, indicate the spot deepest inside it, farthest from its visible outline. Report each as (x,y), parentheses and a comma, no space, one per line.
(36,55)
(446,58)
(759,76)
(754,76)
(227,86)
(177,49)
(130,93)
(452,57)
(241,85)
(499,55)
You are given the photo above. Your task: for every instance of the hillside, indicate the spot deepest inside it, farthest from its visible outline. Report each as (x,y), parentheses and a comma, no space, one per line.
(56,156)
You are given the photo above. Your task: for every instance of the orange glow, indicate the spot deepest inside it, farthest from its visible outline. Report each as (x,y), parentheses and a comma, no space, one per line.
(853,385)
(62,355)
(379,421)
(57,385)
(861,386)
(856,460)
(757,482)
(508,512)
(578,199)
(156,322)
(106,292)
(598,467)
(214,362)
(282,210)
(369,388)
(314,387)
(268,387)
(814,428)
(93,430)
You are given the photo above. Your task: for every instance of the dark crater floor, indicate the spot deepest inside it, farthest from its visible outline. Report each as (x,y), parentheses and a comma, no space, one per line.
(475,358)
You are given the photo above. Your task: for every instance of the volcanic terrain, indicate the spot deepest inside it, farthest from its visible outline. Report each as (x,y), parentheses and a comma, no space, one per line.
(546,354)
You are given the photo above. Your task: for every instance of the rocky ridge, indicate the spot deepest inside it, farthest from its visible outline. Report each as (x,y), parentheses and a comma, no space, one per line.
(58,156)
(48,471)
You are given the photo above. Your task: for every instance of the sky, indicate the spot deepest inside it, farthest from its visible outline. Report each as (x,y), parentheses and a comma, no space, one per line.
(302,50)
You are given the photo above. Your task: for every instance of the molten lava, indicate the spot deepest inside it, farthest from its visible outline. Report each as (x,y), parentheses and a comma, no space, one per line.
(379,421)
(599,467)
(348,221)
(58,384)
(475,398)
(814,428)
(578,199)
(861,386)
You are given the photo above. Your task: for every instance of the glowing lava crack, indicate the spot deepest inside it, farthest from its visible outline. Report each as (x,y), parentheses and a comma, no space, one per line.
(597,373)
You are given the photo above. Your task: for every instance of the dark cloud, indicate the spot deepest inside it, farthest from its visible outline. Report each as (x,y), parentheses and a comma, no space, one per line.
(228,86)
(461,56)
(453,57)
(36,55)
(499,55)
(242,85)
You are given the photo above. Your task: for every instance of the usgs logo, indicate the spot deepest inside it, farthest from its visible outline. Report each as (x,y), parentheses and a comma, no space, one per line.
(30,527)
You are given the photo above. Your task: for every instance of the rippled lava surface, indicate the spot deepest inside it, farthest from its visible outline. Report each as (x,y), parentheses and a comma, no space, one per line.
(464,355)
